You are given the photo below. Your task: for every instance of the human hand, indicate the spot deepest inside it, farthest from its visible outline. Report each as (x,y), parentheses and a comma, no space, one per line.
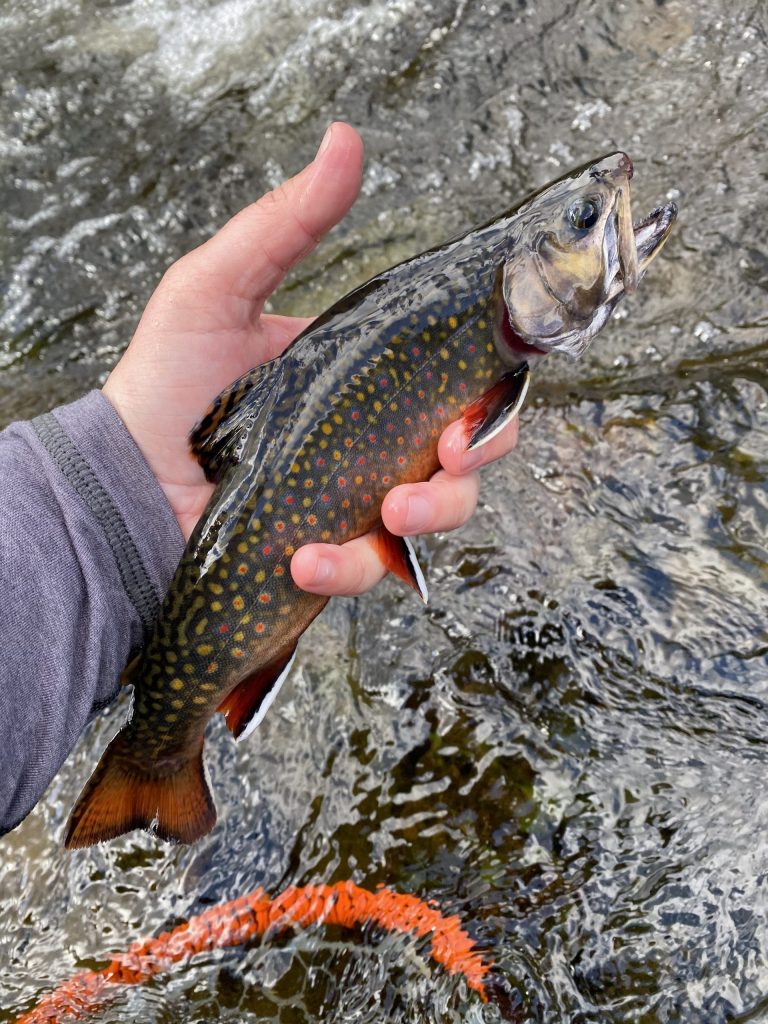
(204,326)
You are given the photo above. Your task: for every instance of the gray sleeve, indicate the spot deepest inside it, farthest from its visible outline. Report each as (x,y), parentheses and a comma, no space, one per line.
(88,546)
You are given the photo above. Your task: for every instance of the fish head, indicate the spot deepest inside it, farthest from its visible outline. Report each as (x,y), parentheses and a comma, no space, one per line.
(575,254)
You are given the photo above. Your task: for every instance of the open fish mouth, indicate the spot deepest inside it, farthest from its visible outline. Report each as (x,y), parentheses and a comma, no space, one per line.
(638,244)
(652,232)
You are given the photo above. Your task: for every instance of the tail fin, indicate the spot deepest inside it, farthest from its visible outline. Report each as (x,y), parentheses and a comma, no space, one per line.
(122,795)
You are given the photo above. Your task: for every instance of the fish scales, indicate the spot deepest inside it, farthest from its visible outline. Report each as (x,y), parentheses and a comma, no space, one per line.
(305,449)
(380,426)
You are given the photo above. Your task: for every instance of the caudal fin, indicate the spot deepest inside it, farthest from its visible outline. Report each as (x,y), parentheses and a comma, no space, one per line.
(122,795)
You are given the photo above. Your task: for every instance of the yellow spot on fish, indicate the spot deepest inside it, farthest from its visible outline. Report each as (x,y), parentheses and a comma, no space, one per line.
(199,699)
(215,606)
(326,428)
(267,507)
(176,703)
(453,323)
(239,636)
(289,550)
(260,576)
(242,548)
(177,684)
(238,603)
(199,630)
(205,649)
(216,588)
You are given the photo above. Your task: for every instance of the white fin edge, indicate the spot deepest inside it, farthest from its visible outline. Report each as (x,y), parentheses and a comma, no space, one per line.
(416,568)
(507,419)
(266,704)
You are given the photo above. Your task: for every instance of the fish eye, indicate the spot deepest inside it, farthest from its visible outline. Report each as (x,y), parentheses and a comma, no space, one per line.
(584,213)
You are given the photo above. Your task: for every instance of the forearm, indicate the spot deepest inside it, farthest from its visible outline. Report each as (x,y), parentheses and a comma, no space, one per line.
(88,545)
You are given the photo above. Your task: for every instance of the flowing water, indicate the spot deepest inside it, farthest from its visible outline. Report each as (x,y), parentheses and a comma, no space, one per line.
(568,747)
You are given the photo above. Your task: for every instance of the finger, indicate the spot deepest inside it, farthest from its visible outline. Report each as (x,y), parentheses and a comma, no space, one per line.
(452,448)
(337,570)
(252,253)
(280,331)
(443,503)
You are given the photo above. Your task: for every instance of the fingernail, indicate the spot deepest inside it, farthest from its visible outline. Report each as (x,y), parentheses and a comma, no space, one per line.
(418,514)
(326,140)
(324,572)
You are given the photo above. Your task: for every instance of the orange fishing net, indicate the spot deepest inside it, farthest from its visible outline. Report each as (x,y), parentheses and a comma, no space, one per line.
(243,919)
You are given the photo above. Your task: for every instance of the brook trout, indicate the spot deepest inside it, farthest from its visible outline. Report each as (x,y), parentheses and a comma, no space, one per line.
(305,447)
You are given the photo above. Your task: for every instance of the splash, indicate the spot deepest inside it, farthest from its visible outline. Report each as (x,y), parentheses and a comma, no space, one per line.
(243,919)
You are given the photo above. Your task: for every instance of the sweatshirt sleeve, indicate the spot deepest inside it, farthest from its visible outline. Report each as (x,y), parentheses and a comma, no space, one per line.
(88,546)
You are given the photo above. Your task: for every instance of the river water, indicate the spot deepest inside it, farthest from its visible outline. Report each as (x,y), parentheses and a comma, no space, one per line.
(569,746)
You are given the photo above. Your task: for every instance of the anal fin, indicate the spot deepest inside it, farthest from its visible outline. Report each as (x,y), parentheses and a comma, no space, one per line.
(399,556)
(490,413)
(244,707)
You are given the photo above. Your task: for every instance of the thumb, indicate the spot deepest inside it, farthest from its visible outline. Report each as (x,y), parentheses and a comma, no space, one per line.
(252,253)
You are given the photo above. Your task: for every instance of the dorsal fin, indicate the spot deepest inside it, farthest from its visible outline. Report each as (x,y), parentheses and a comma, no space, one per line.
(217,440)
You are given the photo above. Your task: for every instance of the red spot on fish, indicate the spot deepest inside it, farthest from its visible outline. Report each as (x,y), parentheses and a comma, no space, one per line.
(371,438)
(422,416)
(242,568)
(312,519)
(361,460)
(267,549)
(320,461)
(407,401)
(223,628)
(422,394)
(345,503)
(279,570)
(279,526)
(367,498)
(416,351)
(342,481)
(401,460)
(355,414)
(471,348)
(462,386)
(343,524)
(382,455)
(417,439)
(374,475)
(260,627)
(265,598)
(440,410)
(390,426)
(408,421)
(384,382)
(428,375)
(386,479)
(326,497)
(348,442)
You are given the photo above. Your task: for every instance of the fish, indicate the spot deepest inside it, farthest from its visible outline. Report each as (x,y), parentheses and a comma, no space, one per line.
(305,447)
(254,914)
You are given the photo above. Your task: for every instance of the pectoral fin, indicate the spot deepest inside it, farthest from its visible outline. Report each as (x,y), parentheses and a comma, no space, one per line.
(399,556)
(491,412)
(245,707)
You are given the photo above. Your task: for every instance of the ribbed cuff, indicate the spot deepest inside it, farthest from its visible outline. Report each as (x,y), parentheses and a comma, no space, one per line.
(144,533)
